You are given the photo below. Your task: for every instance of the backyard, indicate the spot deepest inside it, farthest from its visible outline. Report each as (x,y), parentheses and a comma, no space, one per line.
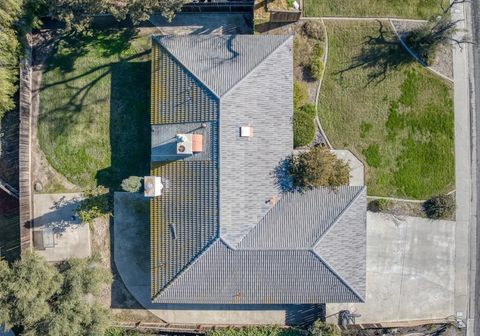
(389,111)
(413,9)
(95,107)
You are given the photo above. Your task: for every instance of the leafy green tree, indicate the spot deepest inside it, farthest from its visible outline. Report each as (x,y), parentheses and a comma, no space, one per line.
(10,13)
(38,299)
(319,167)
(78,14)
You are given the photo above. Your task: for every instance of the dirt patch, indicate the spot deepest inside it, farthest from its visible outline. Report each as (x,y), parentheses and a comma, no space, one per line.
(444,59)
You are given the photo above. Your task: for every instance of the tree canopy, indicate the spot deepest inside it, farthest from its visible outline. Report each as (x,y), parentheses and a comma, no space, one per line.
(37,298)
(319,167)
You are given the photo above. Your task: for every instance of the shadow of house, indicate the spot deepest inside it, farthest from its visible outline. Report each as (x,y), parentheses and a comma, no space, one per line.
(129,119)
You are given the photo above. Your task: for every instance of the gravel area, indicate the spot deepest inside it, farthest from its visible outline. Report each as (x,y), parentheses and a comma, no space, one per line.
(444,60)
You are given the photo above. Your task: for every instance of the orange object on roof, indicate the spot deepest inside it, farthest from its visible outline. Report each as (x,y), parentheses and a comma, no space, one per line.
(197,143)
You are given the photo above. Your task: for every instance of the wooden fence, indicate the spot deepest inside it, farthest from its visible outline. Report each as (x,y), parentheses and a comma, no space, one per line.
(280,16)
(25,189)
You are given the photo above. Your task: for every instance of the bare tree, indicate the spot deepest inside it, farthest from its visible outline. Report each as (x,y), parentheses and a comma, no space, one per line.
(437,32)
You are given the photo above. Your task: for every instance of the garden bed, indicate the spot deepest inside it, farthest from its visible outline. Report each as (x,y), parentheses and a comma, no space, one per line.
(388,110)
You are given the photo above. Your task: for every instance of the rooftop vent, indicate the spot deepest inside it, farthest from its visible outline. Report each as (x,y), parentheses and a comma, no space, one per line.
(152,186)
(246,131)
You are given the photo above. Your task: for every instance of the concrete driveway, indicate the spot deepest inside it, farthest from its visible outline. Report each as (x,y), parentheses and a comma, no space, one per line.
(202,23)
(410,270)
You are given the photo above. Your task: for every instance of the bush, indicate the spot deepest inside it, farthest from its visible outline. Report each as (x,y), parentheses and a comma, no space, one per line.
(309,109)
(316,65)
(300,94)
(379,205)
(255,331)
(314,30)
(320,328)
(95,204)
(132,184)
(440,207)
(319,167)
(303,129)
(301,51)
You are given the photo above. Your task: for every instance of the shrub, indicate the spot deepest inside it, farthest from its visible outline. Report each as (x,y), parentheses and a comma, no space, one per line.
(255,331)
(440,207)
(316,66)
(379,205)
(95,204)
(319,167)
(309,109)
(300,94)
(314,30)
(320,328)
(303,129)
(132,184)
(301,51)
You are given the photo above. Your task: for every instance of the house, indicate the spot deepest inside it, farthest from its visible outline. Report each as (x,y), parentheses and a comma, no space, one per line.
(222,231)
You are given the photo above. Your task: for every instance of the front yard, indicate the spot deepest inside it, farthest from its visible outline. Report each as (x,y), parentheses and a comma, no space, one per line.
(95,108)
(389,111)
(413,9)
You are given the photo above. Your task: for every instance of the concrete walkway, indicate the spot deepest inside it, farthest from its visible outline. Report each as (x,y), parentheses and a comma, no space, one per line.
(463,164)
(410,270)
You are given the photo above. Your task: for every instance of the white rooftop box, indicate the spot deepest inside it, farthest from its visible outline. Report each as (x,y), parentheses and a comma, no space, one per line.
(184,144)
(246,131)
(152,186)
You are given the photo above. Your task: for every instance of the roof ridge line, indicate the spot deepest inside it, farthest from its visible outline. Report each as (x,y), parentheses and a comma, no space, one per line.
(290,37)
(185,269)
(340,216)
(360,297)
(175,59)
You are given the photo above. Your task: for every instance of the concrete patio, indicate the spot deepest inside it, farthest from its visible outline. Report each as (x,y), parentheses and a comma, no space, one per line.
(58,233)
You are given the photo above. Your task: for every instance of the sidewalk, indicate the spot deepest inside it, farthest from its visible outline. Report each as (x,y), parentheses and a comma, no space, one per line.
(463,161)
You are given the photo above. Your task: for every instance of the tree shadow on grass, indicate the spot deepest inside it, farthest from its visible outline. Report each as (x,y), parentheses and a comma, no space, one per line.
(379,55)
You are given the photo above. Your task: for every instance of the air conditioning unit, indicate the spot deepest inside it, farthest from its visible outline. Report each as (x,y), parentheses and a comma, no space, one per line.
(184,144)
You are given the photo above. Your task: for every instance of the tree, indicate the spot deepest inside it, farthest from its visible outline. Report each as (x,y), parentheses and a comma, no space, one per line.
(10,13)
(319,167)
(38,299)
(77,14)
(319,328)
(437,32)
(132,184)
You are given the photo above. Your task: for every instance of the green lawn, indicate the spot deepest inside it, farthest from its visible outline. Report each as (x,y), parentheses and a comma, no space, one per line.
(393,114)
(93,125)
(420,9)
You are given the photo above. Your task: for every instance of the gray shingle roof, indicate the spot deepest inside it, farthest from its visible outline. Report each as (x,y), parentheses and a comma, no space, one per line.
(217,236)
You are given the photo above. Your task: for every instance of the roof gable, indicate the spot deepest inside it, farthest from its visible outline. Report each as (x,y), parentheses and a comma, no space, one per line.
(220,61)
